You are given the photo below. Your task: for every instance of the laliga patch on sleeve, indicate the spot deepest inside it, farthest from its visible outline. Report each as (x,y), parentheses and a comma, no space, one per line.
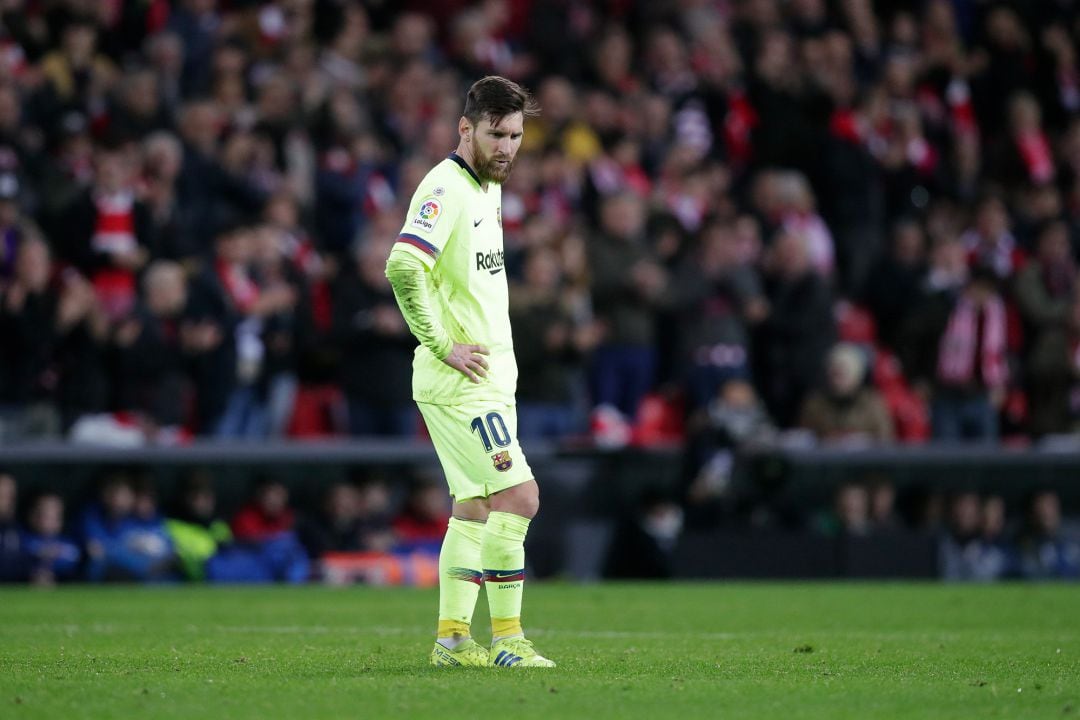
(427,215)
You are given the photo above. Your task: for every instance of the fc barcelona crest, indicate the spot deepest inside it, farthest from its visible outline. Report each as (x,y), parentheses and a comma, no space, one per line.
(498,215)
(502,461)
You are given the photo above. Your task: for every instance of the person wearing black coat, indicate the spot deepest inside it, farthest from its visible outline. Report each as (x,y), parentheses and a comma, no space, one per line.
(793,340)
(376,348)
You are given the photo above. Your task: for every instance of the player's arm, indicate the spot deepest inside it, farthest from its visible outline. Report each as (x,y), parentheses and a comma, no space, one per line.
(408,277)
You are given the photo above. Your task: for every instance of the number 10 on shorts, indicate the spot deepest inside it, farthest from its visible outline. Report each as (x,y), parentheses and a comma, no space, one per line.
(491,428)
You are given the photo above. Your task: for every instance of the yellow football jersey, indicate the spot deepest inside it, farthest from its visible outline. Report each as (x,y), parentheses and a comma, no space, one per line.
(455,227)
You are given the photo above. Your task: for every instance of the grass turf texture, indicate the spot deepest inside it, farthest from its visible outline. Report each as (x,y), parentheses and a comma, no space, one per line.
(627,651)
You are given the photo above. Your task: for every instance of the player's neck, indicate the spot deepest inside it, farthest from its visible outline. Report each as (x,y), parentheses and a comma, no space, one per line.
(465,153)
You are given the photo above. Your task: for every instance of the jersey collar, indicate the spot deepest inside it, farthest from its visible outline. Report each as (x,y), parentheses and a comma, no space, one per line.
(461,161)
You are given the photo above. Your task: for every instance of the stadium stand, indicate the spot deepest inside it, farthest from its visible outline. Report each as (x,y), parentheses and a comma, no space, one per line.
(744,238)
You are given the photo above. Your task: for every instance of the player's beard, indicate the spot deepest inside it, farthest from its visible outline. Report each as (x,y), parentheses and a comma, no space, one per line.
(488,169)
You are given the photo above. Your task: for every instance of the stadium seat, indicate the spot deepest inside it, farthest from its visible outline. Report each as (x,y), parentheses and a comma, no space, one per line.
(319,412)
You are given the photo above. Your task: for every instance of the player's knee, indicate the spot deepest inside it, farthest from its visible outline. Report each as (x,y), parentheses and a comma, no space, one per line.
(523,500)
(529,505)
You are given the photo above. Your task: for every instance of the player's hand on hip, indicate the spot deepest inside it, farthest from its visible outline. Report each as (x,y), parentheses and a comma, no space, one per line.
(469,360)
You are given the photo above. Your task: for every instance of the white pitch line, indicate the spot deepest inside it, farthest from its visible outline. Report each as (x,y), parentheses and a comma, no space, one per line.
(418,630)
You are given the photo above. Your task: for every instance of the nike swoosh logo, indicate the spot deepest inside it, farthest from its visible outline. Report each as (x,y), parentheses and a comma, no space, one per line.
(476,223)
(504,575)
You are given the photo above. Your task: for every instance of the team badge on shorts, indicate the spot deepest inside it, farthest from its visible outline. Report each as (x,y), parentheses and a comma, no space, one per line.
(502,461)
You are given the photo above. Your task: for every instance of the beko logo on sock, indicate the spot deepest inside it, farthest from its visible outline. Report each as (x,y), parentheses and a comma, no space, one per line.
(492,261)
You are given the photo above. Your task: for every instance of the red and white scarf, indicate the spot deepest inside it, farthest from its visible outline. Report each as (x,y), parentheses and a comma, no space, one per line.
(241,289)
(114,226)
(958,354)
(1038,159)
(114,233)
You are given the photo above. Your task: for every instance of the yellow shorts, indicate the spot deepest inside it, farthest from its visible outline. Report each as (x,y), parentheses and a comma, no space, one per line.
(477,446)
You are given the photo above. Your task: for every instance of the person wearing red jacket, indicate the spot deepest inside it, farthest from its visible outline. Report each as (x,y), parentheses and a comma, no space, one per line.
(267,516)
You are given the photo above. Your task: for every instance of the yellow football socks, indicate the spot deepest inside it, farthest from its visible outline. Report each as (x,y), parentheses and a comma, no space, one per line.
(502,552)
(459,580)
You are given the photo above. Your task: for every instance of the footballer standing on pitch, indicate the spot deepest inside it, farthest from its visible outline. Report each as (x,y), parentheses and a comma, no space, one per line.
(448,276)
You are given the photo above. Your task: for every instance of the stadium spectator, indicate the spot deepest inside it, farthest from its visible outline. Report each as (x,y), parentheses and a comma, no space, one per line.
(24,164)
(373,511)
(551,346)
(883,515)
(266,515)
(194,23)
(138,109)
(1036,207)
(923,509)
(798,331)
(795,210)
(733,420)
(1045,292)
(1057,365)
(76,74)
(645,541)
(996,534)
(123,539)
(268,548)
(957,351)
(718,299)
(29,322)
(197,532)
(850,513)
(948,270)
(151,374)
(628,285)
(1027,157)
(1045,552)
(990,243)
(336,525)
(229,300)
(210,195)
(348,165)
(105,232)
(421,523)
(80,350)
(285,331)
(374,342)
(12,565)
(170,235)
(894,284)
(51,556)
(14,225)
(846,410)
(964,553)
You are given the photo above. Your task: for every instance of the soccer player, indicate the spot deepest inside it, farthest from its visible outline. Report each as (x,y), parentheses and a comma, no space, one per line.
(447,271)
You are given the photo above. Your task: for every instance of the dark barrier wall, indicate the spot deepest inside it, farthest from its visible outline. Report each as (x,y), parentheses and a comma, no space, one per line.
(810,475)
(725,554)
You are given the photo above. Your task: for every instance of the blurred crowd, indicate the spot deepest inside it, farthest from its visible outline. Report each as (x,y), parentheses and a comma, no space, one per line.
(853,219)
(978,539)
(124,532)
(977,536)
(367,530)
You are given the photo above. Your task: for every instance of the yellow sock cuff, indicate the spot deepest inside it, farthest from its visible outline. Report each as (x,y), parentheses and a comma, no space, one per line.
(452,629)
(505,627)
(471,529)
(508,525)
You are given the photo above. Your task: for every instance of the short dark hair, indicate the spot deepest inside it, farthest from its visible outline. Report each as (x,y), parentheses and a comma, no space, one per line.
(494,97)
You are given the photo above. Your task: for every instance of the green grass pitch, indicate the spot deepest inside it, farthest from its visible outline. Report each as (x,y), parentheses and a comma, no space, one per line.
(624,651)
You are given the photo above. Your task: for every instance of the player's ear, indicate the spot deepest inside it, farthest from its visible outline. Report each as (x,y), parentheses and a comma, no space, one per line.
(465,128)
